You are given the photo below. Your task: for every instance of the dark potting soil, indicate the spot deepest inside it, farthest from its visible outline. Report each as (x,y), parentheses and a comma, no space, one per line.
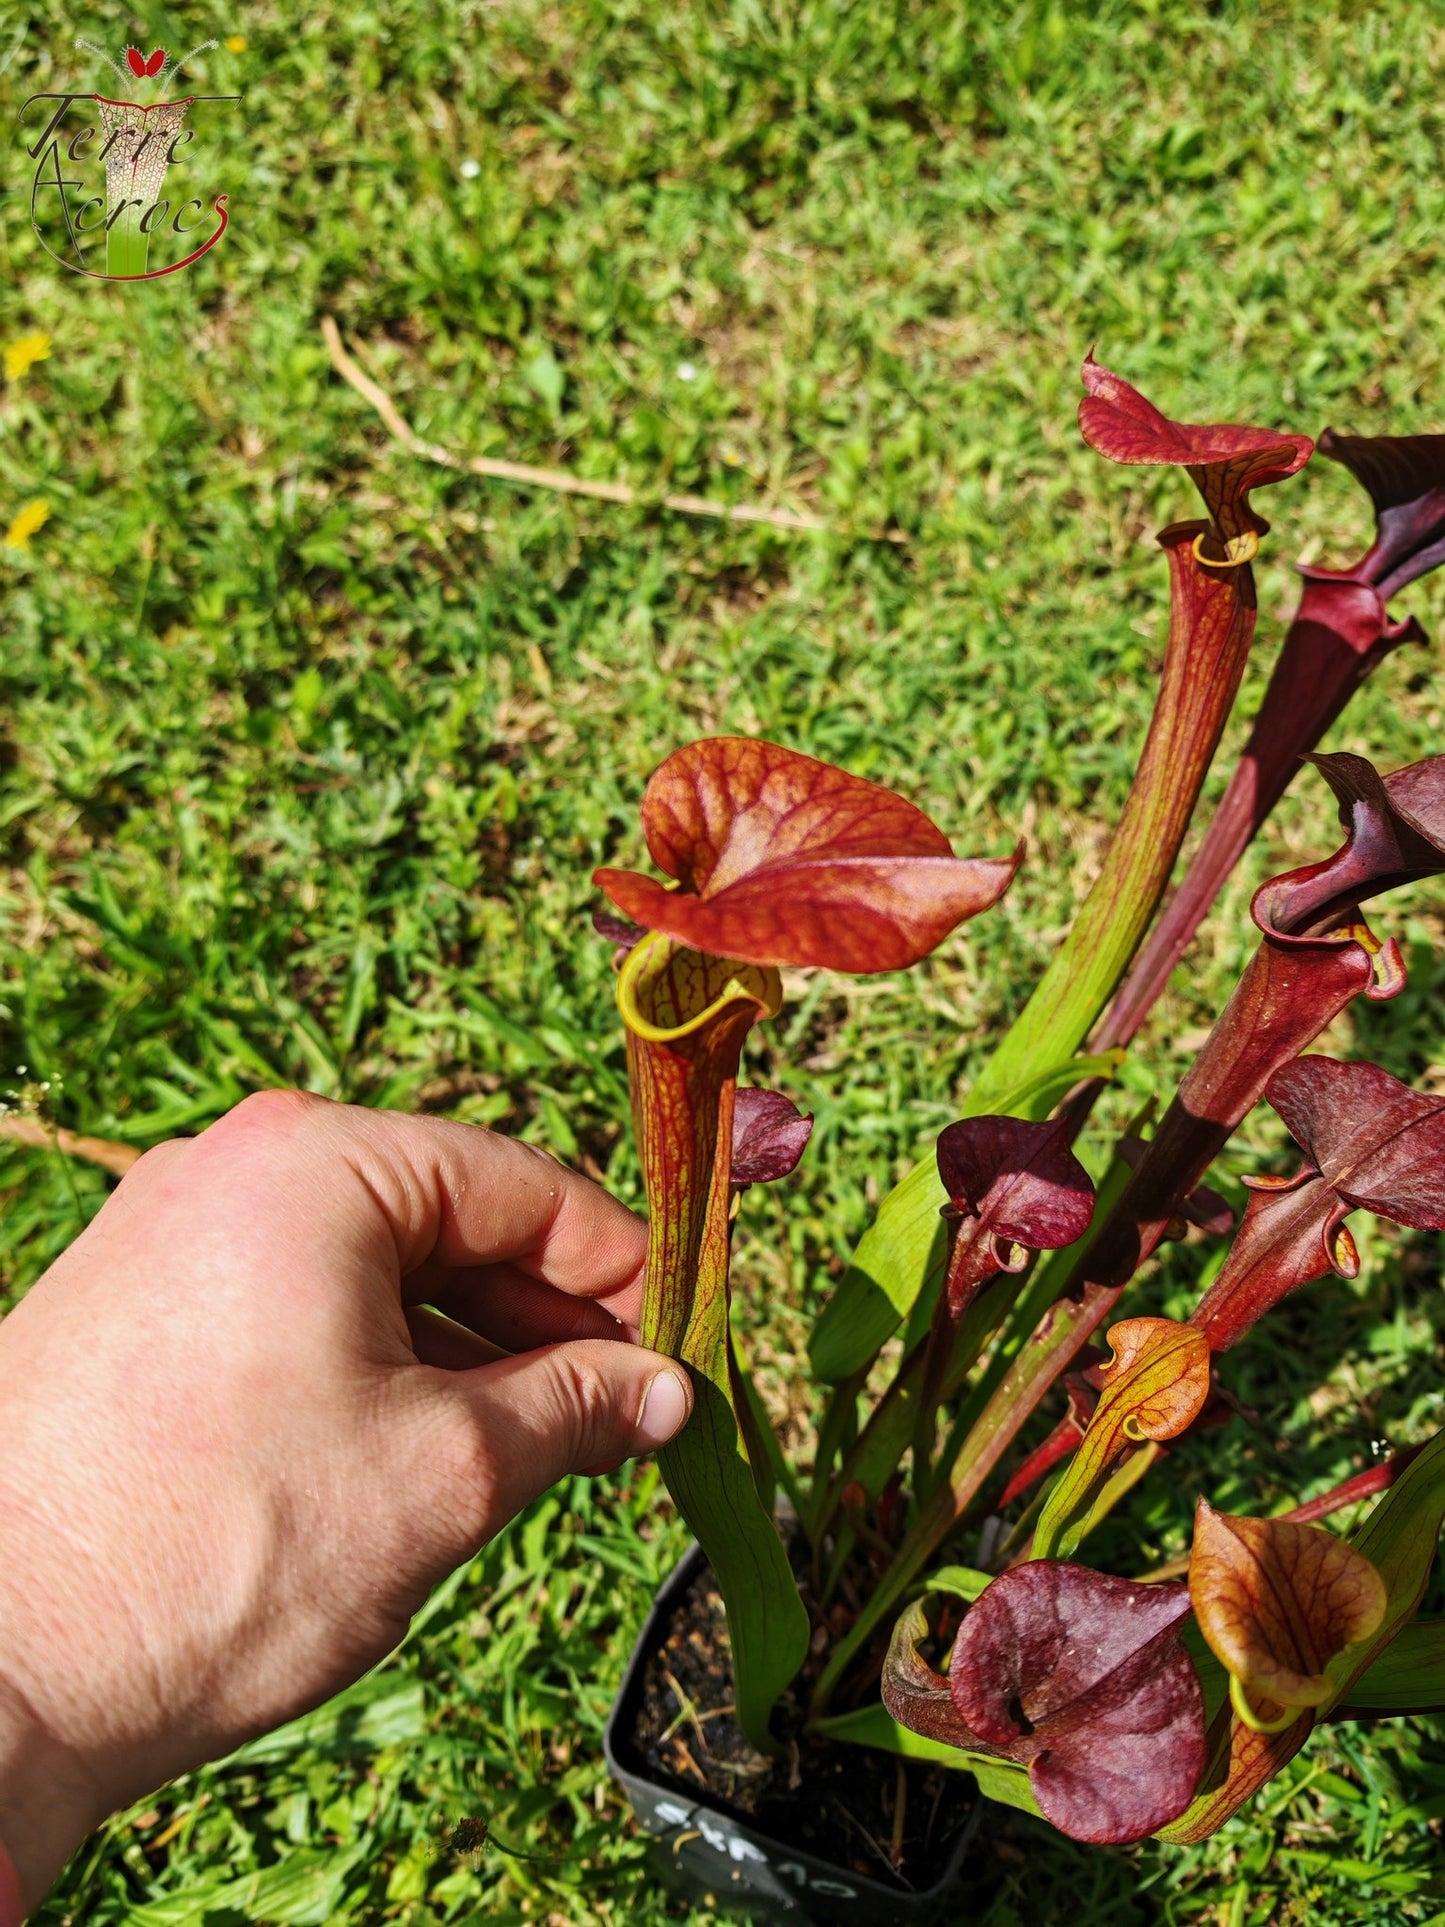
(835,1800)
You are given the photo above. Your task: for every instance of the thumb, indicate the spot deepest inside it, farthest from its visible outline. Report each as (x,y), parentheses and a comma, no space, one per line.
(570,1408)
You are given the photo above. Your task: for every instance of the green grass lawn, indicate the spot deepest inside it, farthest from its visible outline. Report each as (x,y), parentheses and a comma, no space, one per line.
(307,748)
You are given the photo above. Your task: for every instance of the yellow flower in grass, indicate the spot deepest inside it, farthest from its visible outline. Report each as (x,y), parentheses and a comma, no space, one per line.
(236,43)
(28,521)
(22,355)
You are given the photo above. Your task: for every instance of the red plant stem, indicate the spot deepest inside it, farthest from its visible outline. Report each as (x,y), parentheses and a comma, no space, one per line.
(1364,1485)
(686,1015)
(1211,626)
(1289,993)
(1065,1436)
(1340,632)
(1286,997)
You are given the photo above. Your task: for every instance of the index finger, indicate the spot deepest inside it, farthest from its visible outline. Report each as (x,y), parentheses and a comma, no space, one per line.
(452,1194)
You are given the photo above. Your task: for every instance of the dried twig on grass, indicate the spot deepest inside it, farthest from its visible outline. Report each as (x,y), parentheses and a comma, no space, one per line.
(117,1158)
(556,479)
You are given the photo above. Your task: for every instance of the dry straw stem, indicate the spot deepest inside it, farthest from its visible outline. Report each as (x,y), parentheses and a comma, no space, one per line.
(556,479)
(111,1156)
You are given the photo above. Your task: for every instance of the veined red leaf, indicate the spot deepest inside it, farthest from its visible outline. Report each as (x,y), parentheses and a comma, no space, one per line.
(1080,1677)
(1225,461)
(1018,1188)
(1317,955)
(1241,1760)
(1377,1143)
(1399,1540)
(1292,1234)
(1396,835)
(1405,477)
(1290,991)
(1277,1601)
(785,860)
(1371,1143)
(1211,624)
(1154,1388)
(1158,1378)
(686,1015)
(770,1134)
(1298,980)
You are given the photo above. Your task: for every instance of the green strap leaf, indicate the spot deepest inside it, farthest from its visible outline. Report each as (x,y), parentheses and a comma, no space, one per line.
(964,1582)
(896,1254)
(709,1477)
(770,1468)
(1408,1677)
(1399,1539)
(905,1244)
(874,1725)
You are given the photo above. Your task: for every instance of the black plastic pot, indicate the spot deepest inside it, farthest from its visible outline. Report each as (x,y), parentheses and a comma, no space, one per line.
(703,1850)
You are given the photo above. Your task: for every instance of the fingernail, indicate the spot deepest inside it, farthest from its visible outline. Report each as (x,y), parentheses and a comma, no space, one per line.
(664,1412)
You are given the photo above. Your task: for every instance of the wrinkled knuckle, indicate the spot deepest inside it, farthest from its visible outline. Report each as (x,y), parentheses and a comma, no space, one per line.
(586,1404)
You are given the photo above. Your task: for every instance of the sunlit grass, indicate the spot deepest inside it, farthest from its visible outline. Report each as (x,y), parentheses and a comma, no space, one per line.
(307,749)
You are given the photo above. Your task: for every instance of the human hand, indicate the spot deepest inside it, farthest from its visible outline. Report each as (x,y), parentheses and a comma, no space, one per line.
(239,1451)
